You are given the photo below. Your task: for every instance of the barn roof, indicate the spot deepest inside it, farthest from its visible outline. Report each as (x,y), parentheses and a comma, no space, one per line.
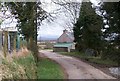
(9,29)
(63,44)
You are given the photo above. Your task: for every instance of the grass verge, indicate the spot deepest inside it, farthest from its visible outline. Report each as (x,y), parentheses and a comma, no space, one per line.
(29,65)
(24,67)
(96,60)
(18,67)
(48,69)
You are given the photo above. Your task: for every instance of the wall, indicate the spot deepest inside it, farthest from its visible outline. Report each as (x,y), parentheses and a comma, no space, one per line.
(64,38)
(60,49)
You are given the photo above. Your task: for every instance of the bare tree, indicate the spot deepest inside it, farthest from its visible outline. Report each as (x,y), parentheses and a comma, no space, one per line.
(5,14)
(71,10)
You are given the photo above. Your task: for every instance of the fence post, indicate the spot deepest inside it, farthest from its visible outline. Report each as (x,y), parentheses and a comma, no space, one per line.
(5,44)
(15,42)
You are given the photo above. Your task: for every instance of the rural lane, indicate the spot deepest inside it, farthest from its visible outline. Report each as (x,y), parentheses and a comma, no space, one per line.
(76,69)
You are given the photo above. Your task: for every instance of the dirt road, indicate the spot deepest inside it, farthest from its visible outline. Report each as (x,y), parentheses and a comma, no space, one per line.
(76,69)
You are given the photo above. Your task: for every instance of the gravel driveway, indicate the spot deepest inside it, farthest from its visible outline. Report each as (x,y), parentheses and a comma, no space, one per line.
(76,69)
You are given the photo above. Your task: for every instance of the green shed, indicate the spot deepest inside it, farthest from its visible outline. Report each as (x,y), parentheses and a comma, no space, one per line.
(63,47)
(13,39)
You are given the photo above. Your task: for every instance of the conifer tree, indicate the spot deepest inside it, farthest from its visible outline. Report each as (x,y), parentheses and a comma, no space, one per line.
(87,30)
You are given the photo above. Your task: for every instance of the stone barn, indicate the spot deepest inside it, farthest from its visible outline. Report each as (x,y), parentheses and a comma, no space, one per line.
(64,42)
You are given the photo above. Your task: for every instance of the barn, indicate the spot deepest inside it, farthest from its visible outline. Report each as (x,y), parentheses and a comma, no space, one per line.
(64,42)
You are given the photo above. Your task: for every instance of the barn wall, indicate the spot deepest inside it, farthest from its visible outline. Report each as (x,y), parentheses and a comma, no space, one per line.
(60,49)
(64,38)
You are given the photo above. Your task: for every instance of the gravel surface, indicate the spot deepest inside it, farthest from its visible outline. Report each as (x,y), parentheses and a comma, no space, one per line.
(76,69)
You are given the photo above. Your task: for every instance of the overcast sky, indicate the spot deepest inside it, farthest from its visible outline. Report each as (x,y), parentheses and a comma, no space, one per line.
(55,28)
(58,25)
(49,29)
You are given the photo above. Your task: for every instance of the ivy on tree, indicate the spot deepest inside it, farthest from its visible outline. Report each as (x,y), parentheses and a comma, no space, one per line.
(27,14)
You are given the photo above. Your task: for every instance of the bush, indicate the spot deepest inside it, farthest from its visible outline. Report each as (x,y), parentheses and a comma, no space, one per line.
(111,54)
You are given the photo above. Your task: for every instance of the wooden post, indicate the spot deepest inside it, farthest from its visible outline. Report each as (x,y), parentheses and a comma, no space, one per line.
(5,44)
(15,43)
(20,43)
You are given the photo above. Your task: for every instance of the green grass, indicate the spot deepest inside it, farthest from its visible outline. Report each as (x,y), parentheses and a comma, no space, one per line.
(105,62)
(29,65)
(96,60)
(49,70)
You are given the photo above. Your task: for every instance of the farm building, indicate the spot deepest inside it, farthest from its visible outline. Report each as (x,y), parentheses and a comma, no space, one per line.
(64,42)
(9,39)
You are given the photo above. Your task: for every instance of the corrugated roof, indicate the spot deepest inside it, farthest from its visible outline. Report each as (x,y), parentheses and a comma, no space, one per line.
(10,29)
(63,44)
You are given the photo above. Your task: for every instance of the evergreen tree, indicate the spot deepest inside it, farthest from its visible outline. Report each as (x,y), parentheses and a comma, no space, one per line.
(112,50)
(27,14)
(87,30)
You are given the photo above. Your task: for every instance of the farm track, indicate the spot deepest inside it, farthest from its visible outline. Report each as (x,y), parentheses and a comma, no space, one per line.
(76,69)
